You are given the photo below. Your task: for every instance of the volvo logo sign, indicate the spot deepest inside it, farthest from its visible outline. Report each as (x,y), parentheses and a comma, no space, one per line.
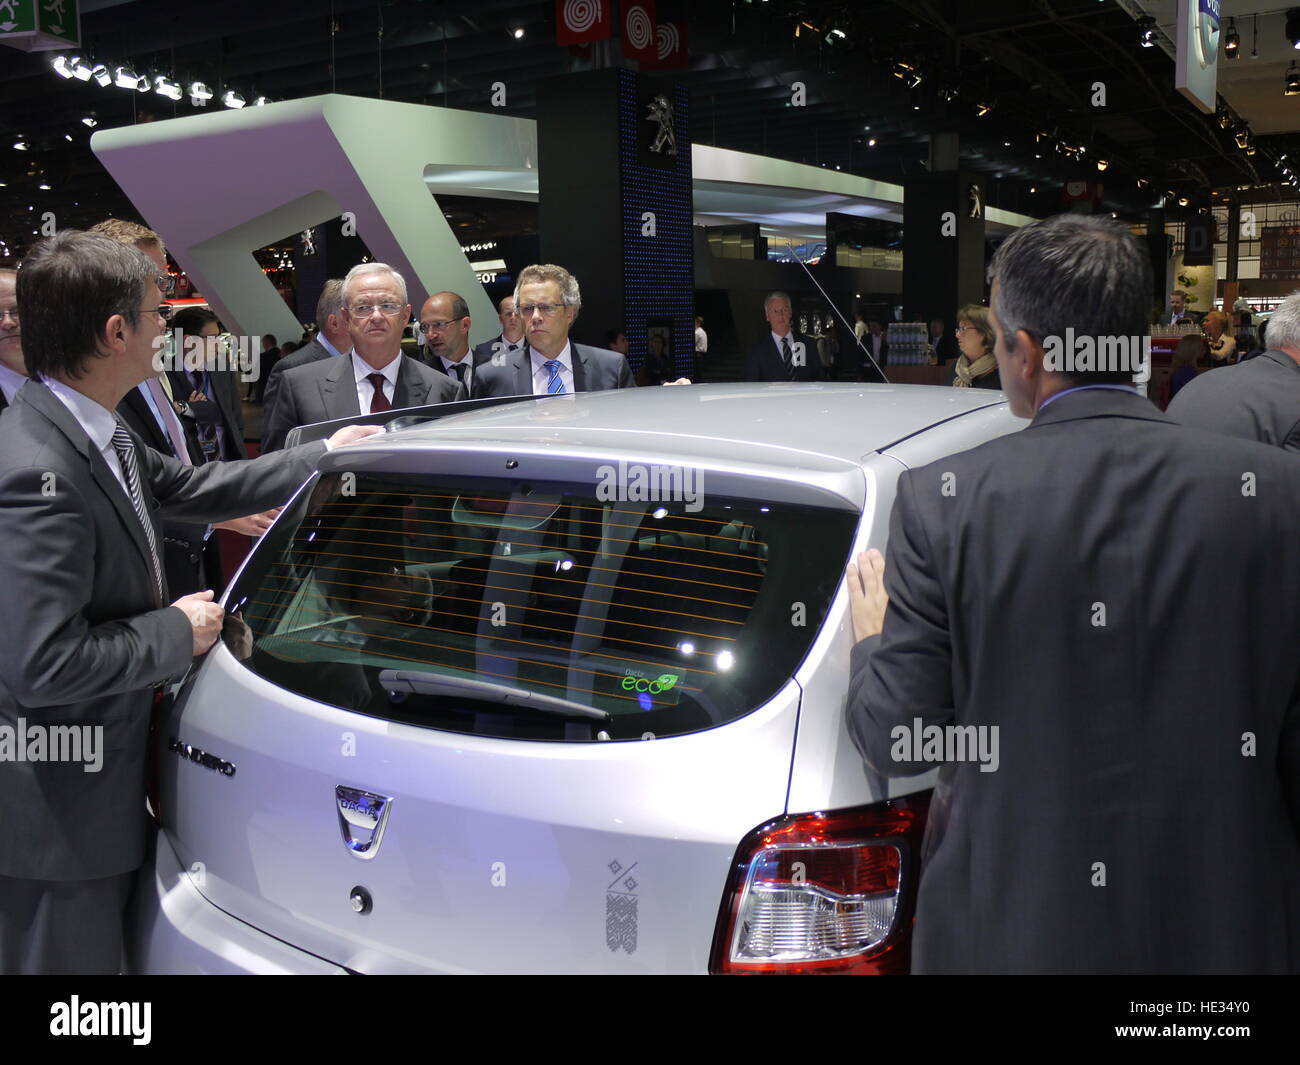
(1205,17)
(362,818)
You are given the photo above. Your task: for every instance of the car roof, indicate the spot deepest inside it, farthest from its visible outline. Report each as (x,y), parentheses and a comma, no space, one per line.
(727,422)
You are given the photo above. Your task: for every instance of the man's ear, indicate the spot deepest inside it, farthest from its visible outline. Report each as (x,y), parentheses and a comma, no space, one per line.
(1029,350)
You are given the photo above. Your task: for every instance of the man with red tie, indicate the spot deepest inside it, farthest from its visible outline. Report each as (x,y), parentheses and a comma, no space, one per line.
(374,375)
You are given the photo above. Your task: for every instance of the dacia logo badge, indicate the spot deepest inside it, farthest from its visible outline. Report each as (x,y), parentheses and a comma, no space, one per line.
(363,816)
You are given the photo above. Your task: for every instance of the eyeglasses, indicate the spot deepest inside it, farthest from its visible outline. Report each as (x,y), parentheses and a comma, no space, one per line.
(165,311)
(965,329)
(546,310)
(365,310)
(438,327)
(10,314)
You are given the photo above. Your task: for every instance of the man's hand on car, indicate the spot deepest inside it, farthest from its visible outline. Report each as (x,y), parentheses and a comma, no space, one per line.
(252,524)
(867,598)
(205,618)
(350,434)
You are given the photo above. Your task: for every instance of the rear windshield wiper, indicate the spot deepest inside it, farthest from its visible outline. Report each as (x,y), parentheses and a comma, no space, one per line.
(422,683)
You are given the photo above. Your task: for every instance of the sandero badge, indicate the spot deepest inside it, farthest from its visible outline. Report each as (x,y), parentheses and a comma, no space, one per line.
(363,816)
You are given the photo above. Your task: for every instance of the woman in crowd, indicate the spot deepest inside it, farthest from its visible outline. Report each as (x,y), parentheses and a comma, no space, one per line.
(1223,348)
(976,367)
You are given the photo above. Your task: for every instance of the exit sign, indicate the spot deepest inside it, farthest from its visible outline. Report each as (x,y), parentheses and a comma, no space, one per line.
(40,25)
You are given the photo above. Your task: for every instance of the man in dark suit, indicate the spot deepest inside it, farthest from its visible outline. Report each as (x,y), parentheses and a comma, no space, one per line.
(1258,399)
(374,377)
(1049,593)
(547,299)
(89,640)
(943,341)
(511,338)
(332,338)
(782,354)
(445,322)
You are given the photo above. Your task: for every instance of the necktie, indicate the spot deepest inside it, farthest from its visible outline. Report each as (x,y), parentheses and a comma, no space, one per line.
(459,371)
(171,424)
(207,433)
(379,403)
(126,458)
(788,355)
(554,385)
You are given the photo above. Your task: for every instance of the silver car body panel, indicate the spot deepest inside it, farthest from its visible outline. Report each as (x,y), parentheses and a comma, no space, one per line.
(515,856)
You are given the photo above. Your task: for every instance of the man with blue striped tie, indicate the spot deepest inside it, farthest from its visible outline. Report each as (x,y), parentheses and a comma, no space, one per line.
(547,299)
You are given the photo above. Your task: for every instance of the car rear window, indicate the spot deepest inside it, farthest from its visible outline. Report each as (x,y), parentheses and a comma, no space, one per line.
(667,617)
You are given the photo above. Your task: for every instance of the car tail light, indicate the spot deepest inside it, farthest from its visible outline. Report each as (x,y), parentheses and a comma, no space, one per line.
(824,893)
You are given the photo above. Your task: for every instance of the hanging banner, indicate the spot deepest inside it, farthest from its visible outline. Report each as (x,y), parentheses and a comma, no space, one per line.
(1196,68)
(582,21)
(40,25)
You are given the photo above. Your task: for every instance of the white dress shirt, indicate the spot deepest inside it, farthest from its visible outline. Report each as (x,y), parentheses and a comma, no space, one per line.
(10,382)
(701,340)
(365,390)
(99,424)
(542,376)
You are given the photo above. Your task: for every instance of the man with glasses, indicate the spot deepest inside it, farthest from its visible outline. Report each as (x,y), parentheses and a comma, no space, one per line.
(89,641)
(445,323)
(374,377)
(13,371)
(547,300)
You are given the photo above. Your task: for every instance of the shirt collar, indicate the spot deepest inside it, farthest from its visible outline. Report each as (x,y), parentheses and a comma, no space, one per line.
(449,363)
(1282,357)
(99,423)
(323,342)
(565,358)
(362,369)
(1083,388)
(778,338)
(10,381)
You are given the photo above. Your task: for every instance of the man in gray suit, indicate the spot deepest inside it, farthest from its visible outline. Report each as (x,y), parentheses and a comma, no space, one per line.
(445,322)
(332,338)
(547,299)
(1258,399)
(375,376)
(89,639)
(1049,597)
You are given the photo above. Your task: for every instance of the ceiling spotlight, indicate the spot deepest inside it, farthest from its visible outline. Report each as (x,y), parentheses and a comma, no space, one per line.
(91,121)
(1182,201)
(61,67)
(517,33)
(907,73)
(126,78)
(1231,40)
(1143,183)
(200,94)
(81,69)
(20,146)
(261,101)
(164,86)
(1250,150)
(44,188)
(1242,136)
(68,137)
(1102,164)
(102,75)
(233,99)
(1292,80)
(1293,27)
(983,108)
(1033,188)
(1225,119)
(1147,32)
(871,143)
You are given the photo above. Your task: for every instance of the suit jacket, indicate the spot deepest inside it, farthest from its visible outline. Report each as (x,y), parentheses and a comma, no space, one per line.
(764,362)
(1061,583)
(321,391)
(224,410)
(1257,400)
(594,370)
(313,351)
(88,637)
(183,544)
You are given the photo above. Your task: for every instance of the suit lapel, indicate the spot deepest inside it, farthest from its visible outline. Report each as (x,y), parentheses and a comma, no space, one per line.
(410,390)
(579,369)
(338,390)
(524,372)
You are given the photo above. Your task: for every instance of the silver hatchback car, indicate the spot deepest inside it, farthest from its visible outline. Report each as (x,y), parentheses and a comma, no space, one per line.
(555,687)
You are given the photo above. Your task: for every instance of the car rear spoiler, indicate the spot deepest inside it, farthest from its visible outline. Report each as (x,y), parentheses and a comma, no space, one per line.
(398,418)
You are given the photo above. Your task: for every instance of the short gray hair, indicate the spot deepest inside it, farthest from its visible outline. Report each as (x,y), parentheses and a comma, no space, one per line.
(1284,323)
(1072,271)
(364,269)
(774,296)
(539,273)
(330,301)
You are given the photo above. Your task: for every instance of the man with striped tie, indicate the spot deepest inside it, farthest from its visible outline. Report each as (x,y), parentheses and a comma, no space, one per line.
(88,641)
(547,300)
(782,354)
